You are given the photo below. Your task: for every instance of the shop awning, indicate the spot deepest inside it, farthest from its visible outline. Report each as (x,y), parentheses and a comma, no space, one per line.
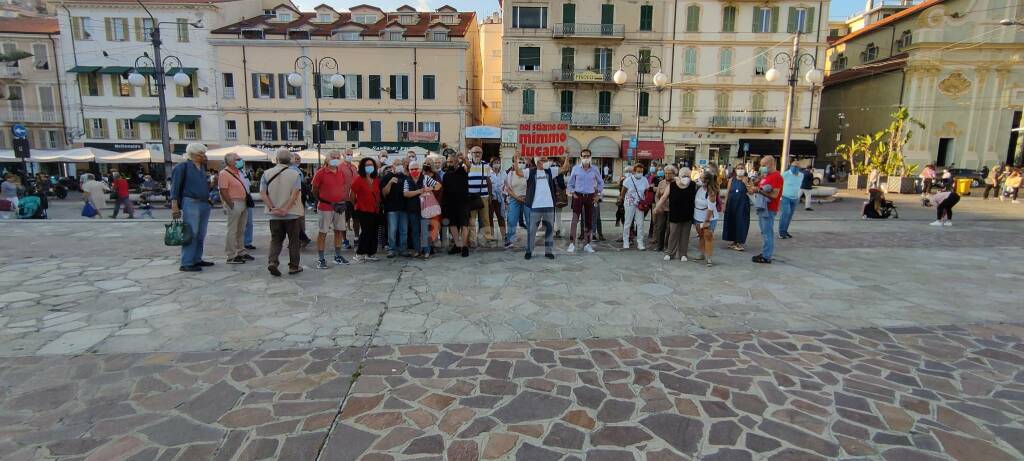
(146,70)
(184,118)
(572,147)
(148,118)
(603,147)
(798,148)
(187,70)
(645,150)
(84,69)
(115,70)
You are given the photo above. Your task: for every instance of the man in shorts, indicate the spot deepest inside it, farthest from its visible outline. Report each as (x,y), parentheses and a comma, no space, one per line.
(332,187)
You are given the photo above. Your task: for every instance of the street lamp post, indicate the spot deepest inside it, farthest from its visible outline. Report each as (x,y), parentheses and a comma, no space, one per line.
(659,80)
(337,81)
(136,79)
(814,77)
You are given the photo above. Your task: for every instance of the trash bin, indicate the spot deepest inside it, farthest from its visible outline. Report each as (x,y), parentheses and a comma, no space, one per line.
(962,186)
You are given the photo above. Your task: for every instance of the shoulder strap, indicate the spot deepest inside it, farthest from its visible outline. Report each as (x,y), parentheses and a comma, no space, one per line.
(272,178)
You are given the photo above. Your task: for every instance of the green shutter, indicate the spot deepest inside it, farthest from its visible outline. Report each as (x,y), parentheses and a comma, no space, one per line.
(568,58)
(607,14)
(645,102)
(809,21)
(569,13)
(756,27)
(645,61)
(646,17)
(793,16)
(527,102)
(775,19)
(692,18)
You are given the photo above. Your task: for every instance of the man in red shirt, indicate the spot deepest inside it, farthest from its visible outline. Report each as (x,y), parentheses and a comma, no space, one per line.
(120,187)
(767,202)
(332,187)
(350,168)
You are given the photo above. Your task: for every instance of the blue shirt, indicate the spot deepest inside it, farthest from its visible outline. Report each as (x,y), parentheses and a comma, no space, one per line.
(791,184)
(585,180)
(187,180)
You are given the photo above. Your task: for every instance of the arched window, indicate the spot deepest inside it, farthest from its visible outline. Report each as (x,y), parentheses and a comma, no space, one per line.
(690,61)
(757,104)
(725,61)
(722,103)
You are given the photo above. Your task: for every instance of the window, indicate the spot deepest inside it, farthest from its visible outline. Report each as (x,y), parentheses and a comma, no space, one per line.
(81,28)
(603,58)
(291,131)
(800,19)
(182,24)
(645,103)
(725,61)
(439,36)
(252,34)
(729,19)
(46,102)
(287,91)
(126,129)
(375,89)
(348,36)
(832,33)
(294,34)
(90,84)
(151,86)
(189,131)
(566,100)
(604,102)
(40,57)
(10,48)
(646,18)
(529,17)
(569,13)
(906,39)
(154,130)
(375,131)
(449,19)
(399,87)
(404,128)
(428,87)
(408,19)
(117,29)
(121,86)
(353,88)
(840,62)
(529,101)
(766,19)
(870,53)
(364,18)
(690,61)
(529,58)
(16,98)
(50,139)
(607,18)
(188,91)
(96,128)
(757,104)
(721,103)
(568,58)
(760,61)
(325,17)
(263,86)
(229,85)
(230,130)
(689,99)
(283,16)
(394,35)
(645,60)
(693,18)
(265,130)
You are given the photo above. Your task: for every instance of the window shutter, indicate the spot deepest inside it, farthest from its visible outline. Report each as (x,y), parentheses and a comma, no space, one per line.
(280,87)
(302,131)
(359,87)
(76,28)
(775,19)
(273,129)
(271,86)
(809,20)
(757,20)
(791,26)
(298,89)
(405,87)
(138,30)
(109,29)
(255,85)
(256,128)
(391,88)
(568,13)
(374,83)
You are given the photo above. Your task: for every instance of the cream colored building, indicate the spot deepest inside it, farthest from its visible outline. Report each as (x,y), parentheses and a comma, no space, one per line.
(559,58)
(950,63)
(490,64)
(31,87)
(410,78)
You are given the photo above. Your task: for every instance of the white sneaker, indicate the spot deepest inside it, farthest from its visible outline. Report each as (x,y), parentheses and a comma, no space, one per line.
(683,259)
(936,223)
(571,249)
(948,224)
(667,258)
(1015,201)
(625,245)
(588,248)
(640,246)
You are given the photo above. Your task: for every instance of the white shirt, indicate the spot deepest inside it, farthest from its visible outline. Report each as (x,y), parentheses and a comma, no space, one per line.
(97,192)
(498,184)
(702,203)
(542,194)
(635,189)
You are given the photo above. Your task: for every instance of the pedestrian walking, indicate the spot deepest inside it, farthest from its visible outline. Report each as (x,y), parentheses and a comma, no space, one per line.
(367,201)
(737,209)
(768,198)
(281,190)
(585,182)
(807,186)
(332,188)
(233,199)
(677,201)
(9,193)
(792,180)
(992,179)
(706,215)
(1013,183)
(121,194)
(190,201)
(95,192)
(540,198)
(927,177)
(498,206)
(633,190)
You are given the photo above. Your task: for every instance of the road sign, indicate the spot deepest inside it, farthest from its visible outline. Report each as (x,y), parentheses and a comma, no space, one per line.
(21,147)
(632,142)
(19,131)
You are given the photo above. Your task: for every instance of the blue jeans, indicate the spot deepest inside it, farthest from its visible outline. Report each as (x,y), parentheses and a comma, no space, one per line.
(248,227)
(414,218)
(516,211)
(766,220)
(536,219)
(195,213)
(786,213)
(398,231)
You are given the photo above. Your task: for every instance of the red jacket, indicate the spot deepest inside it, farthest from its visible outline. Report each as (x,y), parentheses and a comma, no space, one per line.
(121,187)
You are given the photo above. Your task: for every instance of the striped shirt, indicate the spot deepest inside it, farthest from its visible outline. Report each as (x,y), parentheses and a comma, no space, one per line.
(478,175)
(428,183)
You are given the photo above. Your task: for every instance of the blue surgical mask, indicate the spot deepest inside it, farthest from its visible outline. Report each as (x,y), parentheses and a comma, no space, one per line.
(794,169)
(763,170)
(239,163)
(652,169)
(661,174)
(368,169)
(335,162)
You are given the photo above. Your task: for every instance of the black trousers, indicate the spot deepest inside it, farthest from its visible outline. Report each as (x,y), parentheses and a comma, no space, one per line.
(946,207)
(368,223)
(279,229)
(991,188)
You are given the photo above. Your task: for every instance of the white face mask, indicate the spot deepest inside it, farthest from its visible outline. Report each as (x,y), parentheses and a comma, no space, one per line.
(335,162)
(686,181)
(398,169)
(522,166)
(638,175)
(700,183)
(586,161)
(348,158)
(548,165)
(741,173)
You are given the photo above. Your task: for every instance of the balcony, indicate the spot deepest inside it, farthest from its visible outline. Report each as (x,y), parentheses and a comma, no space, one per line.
(29,116)
(741,123)
(597,121)
(294,135)
(576,30)
(231,135)
(582,76)
(190,134)
(10,72)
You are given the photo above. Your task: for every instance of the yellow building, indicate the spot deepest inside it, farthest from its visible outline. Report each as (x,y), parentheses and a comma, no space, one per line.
(31,86)
(409,78)
(490,62)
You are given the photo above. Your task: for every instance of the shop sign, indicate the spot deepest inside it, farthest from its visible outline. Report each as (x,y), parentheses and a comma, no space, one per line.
(543,139)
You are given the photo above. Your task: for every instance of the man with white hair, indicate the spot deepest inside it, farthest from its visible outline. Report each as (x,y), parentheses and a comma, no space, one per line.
(190,201)
(350,206)
(767,201)
(233,198)
(95,193)
(281,190)
(296,164)
(332,187)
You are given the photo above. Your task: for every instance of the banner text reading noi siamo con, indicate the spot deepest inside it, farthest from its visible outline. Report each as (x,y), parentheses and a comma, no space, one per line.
(543,139)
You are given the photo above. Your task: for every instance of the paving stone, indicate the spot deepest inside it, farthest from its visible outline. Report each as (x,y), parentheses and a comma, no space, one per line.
(397,437)
(347,443)
(907,454)
(680,432)
(477,427)
(531,406)
(724,433)
(967,448)
(589,397)
(302,446)
(563,436)
(579,418)
(760,443)
(620,436)
(427,445)
(462,450)
(683,385)
(609,455)
(615,411)
(728,454)
(528,452)
(798,437)
(499,444)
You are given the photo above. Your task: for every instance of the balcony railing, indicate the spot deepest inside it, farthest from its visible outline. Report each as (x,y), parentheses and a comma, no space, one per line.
(10,72)
(231,135)
(294,135)
(29,116)
(268,135)
(741,121)
(191,135)
(582,75)
(571,29)
(229,93)
(581,119)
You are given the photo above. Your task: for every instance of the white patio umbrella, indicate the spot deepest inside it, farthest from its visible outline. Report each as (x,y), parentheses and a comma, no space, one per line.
(138,156)
(247,153)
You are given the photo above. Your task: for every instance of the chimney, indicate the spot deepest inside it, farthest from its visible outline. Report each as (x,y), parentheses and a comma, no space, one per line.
(868,5)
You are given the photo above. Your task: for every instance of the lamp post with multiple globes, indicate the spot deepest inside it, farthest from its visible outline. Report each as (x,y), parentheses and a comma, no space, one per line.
(337,81)
(181,79)
(814,76)
(642,69)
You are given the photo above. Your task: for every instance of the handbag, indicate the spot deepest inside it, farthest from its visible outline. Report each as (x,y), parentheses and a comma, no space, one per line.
(6,205)
(88,210)
(249,202)
(429,207)
(177,233)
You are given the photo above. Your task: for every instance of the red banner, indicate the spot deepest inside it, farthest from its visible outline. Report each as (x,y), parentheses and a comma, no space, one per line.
(421,136)
(543,139)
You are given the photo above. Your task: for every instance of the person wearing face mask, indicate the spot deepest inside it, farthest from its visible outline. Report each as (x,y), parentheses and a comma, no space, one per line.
(769,195)
(190,194)
(332,187)
(303,197)
(585,183)
(632,193)
(706,214)
(233,198)
(659,216)
(350,168)
(455,203)
(515,189)
(366,196)
(395,210)
(540,198)
(791,181)
(677,201)
(737,209)
(498,206)
(479,186)
(415,185)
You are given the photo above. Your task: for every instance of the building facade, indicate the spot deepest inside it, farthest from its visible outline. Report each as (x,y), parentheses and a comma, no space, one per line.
(411,78)
(491,30)
(950,62)
(103,42)
(30,86)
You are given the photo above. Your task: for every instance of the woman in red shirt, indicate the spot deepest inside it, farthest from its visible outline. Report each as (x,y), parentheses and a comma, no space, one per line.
(366,196)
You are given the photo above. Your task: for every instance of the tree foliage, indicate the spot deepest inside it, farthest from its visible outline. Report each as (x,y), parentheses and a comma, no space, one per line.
(883,149)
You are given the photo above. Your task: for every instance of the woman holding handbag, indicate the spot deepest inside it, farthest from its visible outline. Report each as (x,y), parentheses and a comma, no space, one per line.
(430,210)
(632,194)
(416,189)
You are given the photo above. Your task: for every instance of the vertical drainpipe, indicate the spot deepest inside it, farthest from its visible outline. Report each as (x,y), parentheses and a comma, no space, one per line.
(817,39)
(415,90)
(671,71)
(245,84)
(74,53)
(60,92)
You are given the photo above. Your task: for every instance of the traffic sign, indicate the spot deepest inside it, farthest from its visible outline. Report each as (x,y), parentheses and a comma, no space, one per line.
(21,148)
(19,131)
(632,142)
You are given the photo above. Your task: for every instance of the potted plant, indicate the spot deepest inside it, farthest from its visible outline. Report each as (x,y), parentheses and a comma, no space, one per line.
(856,154)
(883,151)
